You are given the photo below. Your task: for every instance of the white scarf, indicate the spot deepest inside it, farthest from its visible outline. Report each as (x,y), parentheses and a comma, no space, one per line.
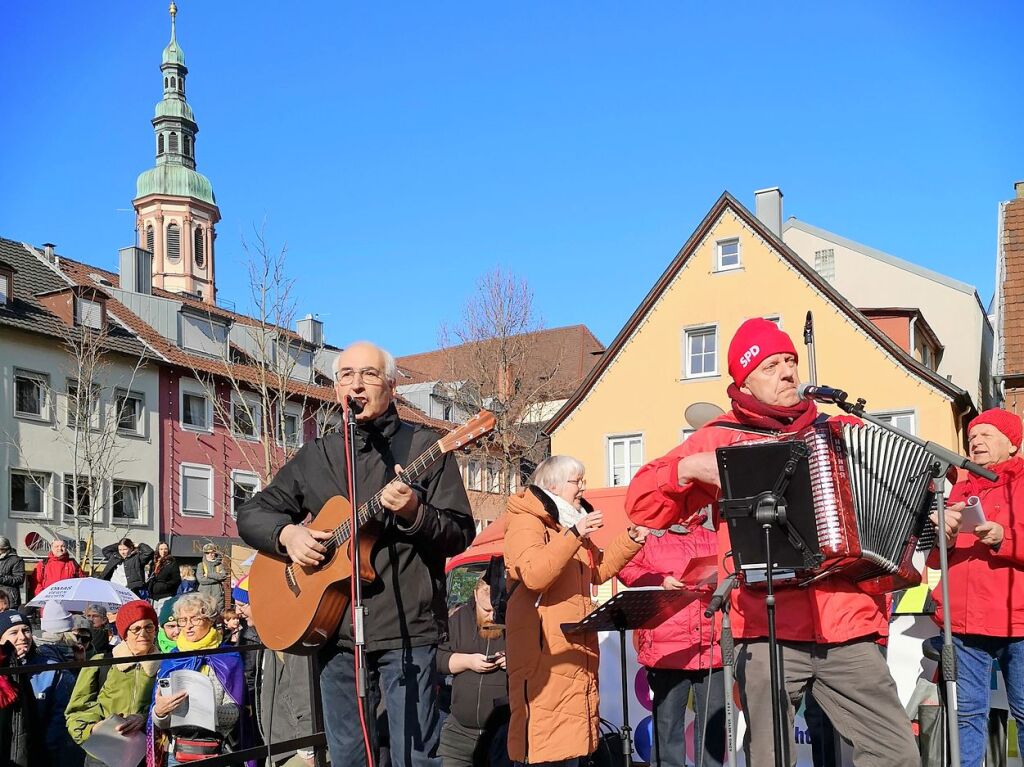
(568,515)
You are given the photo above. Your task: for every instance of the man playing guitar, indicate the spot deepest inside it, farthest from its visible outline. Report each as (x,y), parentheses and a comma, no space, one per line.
(406,603)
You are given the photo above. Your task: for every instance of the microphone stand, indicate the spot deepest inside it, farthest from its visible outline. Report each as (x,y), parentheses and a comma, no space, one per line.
(720,601)
(943,459)
(358,610)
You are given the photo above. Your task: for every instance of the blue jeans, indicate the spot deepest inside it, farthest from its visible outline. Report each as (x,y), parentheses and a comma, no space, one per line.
(406,679)
(974,656)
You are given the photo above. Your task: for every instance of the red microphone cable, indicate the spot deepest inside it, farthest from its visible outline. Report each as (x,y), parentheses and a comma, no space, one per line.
(354,520)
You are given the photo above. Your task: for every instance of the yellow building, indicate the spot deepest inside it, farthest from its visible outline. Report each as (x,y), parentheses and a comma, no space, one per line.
(672,351)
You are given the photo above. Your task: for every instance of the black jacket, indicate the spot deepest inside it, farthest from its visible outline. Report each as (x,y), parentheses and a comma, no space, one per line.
(12,578)
(406,603)
(474,696)
(134,565)
(165,582)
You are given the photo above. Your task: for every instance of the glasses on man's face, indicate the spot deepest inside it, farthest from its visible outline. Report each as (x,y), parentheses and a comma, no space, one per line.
(195,620)
(145,628)
(369,376)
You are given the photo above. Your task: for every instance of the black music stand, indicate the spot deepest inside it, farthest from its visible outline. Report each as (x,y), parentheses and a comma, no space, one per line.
(641,608)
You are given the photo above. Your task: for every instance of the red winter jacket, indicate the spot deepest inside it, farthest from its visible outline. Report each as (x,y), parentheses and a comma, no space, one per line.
(829,612)
(53,569)
(986,586)
(684,640)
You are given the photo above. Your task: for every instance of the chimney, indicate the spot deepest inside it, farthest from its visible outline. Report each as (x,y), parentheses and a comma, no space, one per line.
(768,208)
(1019,188)
(136,270)
(311,330)
(48,252)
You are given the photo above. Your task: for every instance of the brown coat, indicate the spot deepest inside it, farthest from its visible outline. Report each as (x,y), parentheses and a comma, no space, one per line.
(552,678)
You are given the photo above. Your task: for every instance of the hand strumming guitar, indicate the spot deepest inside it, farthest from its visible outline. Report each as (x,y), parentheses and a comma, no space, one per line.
(303,544)
(399,498)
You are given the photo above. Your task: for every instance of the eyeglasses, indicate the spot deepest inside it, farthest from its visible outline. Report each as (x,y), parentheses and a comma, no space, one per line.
(369,376)
(146,628)
(195,620)
(580,483)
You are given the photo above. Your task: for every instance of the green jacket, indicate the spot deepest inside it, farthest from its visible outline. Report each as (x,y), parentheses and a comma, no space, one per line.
(128,689)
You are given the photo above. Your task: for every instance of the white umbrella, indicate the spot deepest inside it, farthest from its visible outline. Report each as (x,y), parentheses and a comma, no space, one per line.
(75,594)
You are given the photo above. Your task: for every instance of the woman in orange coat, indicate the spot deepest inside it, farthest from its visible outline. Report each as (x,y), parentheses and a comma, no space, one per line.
(552,563)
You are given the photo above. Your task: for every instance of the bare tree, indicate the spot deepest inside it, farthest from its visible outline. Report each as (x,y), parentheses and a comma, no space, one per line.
(491,363)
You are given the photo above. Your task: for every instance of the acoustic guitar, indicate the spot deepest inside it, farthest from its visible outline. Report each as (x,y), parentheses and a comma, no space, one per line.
(297,608)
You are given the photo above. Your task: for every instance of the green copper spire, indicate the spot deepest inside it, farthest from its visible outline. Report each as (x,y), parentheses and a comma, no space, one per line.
(176,129)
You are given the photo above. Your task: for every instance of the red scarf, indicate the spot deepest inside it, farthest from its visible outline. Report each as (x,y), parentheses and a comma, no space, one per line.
(750,411)
(1006,472)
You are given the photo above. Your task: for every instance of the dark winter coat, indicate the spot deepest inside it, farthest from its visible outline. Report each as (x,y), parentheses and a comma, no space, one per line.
(284,711)
(474,696)
(211,575)
(12,578)
(134,565)
(406,604)
(164,582)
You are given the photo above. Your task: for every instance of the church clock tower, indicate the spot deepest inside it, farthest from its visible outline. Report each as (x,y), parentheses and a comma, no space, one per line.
(175,208)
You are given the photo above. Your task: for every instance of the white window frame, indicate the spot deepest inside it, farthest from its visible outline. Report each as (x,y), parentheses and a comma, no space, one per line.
(776,318)
(88,313)
(194,470)
(626,439)
(143,520)
(254,409)
(688,333)
(43,380)
(5,288)
(492,477)
(479,483)
(196,389)
(47,492)
(239,474)
(292,410)
(140,428)
(94,420)
(719,266)
(685,433)
(97,506)
(893,415)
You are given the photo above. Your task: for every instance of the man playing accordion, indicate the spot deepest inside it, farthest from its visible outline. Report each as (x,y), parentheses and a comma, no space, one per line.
(828,630)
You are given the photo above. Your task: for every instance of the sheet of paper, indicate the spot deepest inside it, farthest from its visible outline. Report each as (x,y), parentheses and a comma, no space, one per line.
(114,749)
(199,709)
(972,515)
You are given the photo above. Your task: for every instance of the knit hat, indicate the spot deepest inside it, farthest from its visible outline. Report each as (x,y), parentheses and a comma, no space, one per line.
(56,619)
(131,612)
(10,618)
(240,593)
(167,612)
(755,340)
(1008,423)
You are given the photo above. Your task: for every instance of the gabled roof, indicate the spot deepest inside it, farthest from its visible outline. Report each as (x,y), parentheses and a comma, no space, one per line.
(728,202)
(574,348)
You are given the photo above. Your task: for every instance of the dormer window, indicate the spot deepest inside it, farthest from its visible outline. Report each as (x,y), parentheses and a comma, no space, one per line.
(6,286)
(88,313)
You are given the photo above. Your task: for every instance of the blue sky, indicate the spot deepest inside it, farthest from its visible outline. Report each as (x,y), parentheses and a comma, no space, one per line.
(401,150)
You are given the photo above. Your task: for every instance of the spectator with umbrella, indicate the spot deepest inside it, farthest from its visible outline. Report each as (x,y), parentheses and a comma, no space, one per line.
(59,565)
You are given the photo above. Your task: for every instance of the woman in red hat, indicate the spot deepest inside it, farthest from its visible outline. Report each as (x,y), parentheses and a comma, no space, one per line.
(986,581)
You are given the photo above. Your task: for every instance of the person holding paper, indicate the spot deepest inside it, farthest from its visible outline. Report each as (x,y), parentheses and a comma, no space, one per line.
(124,690)
(681,653)
(195,615)
(986,580)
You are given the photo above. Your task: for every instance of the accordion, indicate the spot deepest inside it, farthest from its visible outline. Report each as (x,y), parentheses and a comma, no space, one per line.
(855,500)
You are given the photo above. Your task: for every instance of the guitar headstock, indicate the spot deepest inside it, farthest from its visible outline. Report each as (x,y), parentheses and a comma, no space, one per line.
(469,432)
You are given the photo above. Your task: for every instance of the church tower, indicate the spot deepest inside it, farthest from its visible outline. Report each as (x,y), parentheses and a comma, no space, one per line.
(175,208)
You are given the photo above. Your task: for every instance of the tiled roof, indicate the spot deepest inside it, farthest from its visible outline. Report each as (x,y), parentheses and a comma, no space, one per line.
(570,352)
(33,277)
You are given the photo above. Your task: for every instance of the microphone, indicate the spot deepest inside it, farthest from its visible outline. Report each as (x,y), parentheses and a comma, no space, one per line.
(720,595)
(353,404)
(820,393)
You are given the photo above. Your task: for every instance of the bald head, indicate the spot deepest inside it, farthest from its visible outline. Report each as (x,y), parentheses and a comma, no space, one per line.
(366,373)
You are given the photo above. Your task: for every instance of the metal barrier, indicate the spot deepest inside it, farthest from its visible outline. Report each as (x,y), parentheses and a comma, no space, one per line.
(317,740)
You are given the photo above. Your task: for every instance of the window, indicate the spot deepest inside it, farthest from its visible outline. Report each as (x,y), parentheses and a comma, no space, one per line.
(473,476)
(727,254)
(291,426)
(196,410)
(77,498)
(203,335)
(130,407)
(30,395)
(197,247)
(447,411)
(196,489)
(160,144)
(128,499)
(245,418)
(905,420)
(83,406)
(172,143)
(188,144)
(88,314)
(493,477)
(775,318)
(29,490)
(244,485)
(149,238)
(173,241)
(684,434)
(174,84)
(5,288)
(701,352)
(625,456)
(165,82)
(825,263)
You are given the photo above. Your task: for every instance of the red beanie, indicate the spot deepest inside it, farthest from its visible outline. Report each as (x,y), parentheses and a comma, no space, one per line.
(1008,423)
(131,612)
(755,340)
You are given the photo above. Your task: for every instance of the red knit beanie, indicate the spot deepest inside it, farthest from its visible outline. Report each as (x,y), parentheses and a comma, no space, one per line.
(755,340)
(1008,423)
(131,612)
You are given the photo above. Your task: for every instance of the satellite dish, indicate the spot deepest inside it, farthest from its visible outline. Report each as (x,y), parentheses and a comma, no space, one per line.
(699,413)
